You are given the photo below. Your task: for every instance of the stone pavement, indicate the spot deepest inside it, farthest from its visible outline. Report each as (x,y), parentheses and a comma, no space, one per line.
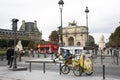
(107,60)
(7,74)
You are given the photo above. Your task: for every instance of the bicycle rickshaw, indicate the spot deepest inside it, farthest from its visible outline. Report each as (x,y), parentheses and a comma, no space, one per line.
(80,63)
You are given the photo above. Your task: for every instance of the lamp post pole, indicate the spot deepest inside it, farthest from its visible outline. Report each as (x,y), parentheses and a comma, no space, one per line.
(14,28)
(87,11)
(61,3)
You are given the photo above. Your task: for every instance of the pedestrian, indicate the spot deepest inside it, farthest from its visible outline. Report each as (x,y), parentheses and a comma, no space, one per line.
(111,51)
(10,53)
(8,56)
(12,56)
(117,55)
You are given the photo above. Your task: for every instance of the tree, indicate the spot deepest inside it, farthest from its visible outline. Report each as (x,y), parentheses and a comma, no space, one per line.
(31,44)
(54,37)
(114,38)
(91,41)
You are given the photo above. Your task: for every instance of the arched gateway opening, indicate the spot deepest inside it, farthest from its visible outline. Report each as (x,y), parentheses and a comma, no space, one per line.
(71,41)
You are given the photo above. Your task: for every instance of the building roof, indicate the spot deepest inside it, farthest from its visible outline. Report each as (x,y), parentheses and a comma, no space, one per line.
(29,27)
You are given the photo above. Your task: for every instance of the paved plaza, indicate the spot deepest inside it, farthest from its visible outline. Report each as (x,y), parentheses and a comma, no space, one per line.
(7,74)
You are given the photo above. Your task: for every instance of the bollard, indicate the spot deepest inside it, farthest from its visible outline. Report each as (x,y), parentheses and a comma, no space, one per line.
(44,67)
(103,72)
(60,68)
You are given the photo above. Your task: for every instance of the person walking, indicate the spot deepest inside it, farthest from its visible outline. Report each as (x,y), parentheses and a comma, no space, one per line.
(111,51)
(10,53)
(8,56)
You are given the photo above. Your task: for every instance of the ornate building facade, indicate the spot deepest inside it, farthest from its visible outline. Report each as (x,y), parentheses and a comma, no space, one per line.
(27,31)
(31,29)
(9,34)
(74,35)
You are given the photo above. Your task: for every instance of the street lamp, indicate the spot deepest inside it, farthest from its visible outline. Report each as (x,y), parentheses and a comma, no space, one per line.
(14,28)
(87,11)
(61,3)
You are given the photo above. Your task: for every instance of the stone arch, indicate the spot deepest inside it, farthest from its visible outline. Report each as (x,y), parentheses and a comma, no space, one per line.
(78,43)
(70,41)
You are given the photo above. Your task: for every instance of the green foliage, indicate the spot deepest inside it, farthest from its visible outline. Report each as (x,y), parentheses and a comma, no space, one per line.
(3,42)
(2,52)
(31,44)
(6,42)
(91,41)
(54,37)
(114,39)
(25,43)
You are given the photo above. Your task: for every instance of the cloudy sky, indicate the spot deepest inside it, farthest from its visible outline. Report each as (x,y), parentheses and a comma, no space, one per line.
(103,18)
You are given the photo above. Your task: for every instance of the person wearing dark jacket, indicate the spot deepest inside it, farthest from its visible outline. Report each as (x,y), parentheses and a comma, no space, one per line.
(9,54)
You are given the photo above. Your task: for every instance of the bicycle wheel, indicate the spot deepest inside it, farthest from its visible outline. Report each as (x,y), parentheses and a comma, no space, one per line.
(65,69)
(77,70)
(89,73)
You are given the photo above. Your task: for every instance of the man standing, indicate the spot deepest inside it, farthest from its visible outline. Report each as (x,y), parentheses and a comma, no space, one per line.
(10,53)
(8,56)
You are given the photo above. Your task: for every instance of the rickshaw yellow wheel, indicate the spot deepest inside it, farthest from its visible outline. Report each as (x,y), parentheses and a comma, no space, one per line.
(77,70)
(65,69)
(89,73)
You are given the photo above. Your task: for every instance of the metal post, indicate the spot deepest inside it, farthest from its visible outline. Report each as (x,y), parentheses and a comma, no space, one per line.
(43,67)
(14,24)
(87,27)
(103,72)
(61,36)
(87,11)
(30,66)
(60,67)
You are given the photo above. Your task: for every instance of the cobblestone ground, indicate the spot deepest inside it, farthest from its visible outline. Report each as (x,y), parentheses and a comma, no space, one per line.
(6,74)
(39,75)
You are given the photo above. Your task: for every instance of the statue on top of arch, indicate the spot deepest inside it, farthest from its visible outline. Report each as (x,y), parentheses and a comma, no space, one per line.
(74,23)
